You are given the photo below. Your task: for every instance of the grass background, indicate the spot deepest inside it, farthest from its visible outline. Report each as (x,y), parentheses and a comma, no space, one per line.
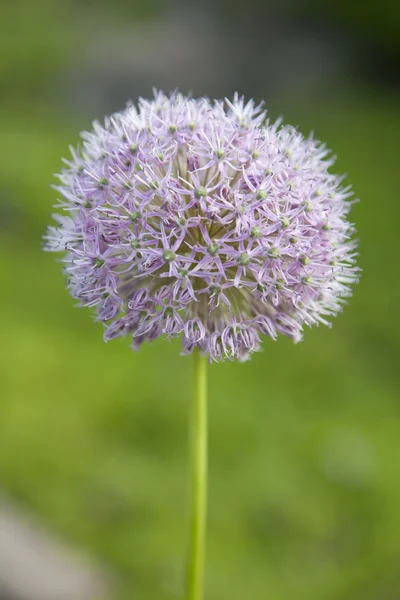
(304,440)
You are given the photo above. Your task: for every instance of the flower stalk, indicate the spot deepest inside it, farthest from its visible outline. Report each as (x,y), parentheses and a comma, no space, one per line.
(198,480)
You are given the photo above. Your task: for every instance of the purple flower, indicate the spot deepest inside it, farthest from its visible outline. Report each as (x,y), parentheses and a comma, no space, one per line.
(204,220)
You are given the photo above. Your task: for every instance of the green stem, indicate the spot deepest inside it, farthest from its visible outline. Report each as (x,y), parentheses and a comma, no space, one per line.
(198,480)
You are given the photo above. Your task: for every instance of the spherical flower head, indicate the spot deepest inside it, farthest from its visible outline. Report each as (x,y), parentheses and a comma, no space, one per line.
(185,217)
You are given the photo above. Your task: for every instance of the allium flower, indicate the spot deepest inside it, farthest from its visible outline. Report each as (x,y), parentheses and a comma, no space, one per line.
(202,219)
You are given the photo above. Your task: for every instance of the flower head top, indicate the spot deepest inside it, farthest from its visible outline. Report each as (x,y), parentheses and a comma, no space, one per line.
(202,219)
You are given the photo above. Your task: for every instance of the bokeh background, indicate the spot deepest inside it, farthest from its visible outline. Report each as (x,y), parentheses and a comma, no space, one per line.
(304,440)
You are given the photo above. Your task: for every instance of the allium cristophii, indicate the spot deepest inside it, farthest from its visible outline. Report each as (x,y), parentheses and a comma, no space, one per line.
(201,219)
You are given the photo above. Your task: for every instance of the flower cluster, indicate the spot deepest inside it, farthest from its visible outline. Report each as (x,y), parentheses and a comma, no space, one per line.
(202,219)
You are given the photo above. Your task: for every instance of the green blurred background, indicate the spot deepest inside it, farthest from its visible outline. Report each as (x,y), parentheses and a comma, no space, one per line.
(304,440)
